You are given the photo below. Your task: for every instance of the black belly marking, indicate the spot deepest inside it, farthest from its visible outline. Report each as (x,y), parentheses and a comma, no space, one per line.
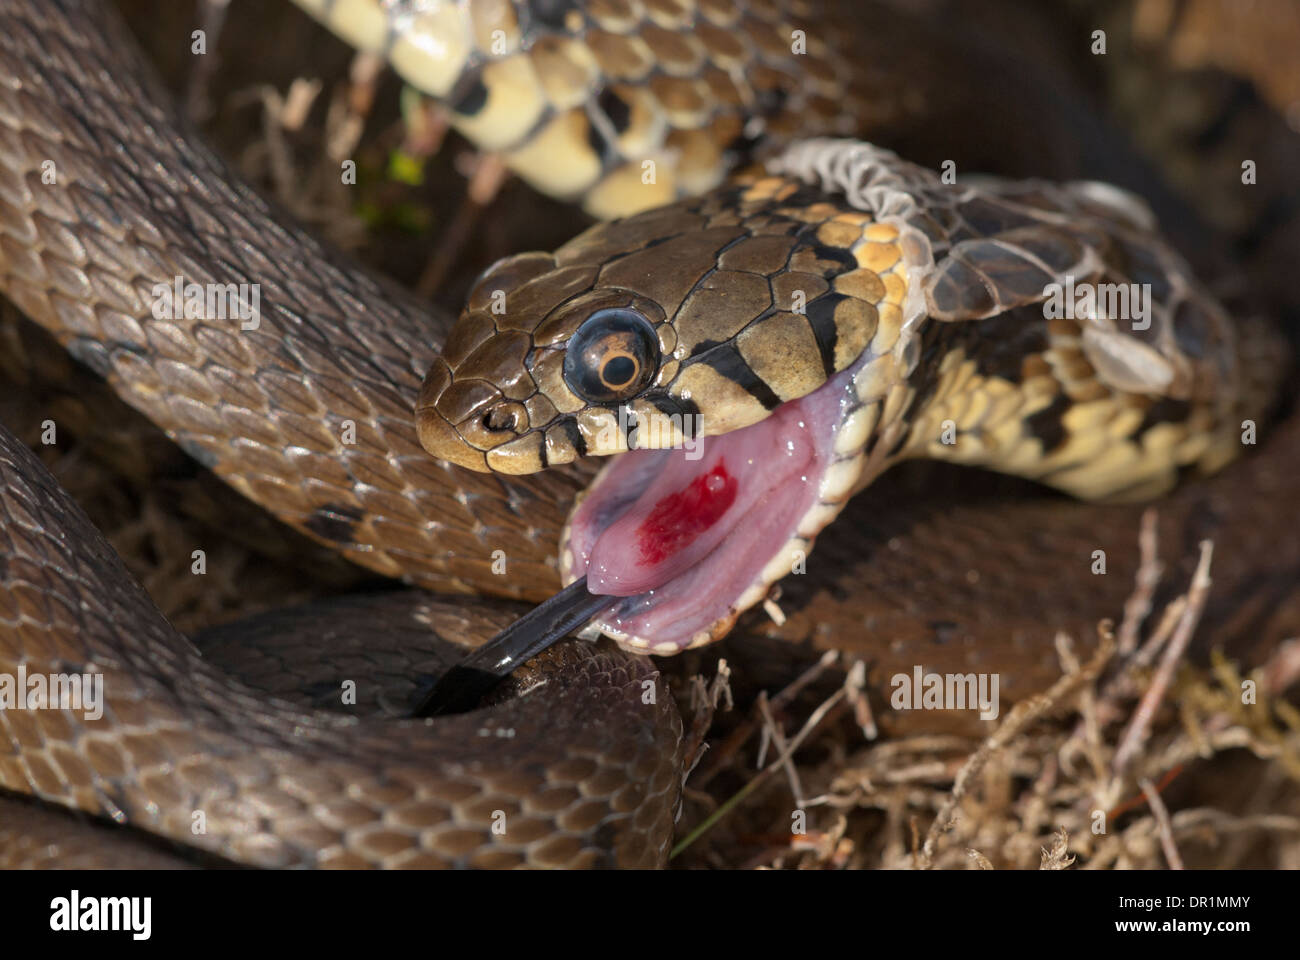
(469,96)
(615,108)
(1164,410)
(1000,344)
(600,145)
(552,13)
(1046,424)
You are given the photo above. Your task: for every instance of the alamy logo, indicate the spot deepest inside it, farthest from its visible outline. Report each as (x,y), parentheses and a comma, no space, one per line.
(208,301)
(1090,301)
(658,432)
(946,691)
(75,912)
(53,691)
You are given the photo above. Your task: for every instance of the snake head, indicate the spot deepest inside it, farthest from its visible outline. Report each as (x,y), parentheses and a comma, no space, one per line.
(709,348)
(679,323)
(540,368)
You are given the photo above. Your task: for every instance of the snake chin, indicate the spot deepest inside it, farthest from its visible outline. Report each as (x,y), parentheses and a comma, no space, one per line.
(688,540)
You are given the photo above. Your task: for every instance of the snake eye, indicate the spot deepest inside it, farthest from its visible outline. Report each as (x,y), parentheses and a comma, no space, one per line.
(612,357)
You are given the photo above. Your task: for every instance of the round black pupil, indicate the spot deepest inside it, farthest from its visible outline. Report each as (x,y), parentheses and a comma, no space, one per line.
(619,371)
(613,354)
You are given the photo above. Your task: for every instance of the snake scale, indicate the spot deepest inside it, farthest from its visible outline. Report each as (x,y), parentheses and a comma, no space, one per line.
(919,312)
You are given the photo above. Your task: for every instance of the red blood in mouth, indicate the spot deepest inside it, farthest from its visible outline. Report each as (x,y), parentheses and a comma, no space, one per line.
(679,518)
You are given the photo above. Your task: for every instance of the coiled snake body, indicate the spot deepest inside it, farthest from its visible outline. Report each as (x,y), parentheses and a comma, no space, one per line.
(843,291)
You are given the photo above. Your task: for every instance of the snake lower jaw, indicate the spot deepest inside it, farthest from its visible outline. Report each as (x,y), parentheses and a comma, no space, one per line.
(687,540)
(440,439)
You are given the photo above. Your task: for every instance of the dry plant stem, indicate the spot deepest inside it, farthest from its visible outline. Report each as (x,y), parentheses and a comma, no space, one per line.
(298,103)
(276,118)
(1124,682)
(1186,821)
(1121,685)
(1139,727)
(1187,750)
(1020,717)
(773,731)
(979,860)
(426,127)
(348,113)
(1138,606)
(1282,668)
(1190,823)
(722,755)
(1099,709)
(1171,617)
(363,81)
(1164,827)
(1090,726)
(1058,857)
(1266,798)
(822,712)
(704,704)
(198,100)
(855,682)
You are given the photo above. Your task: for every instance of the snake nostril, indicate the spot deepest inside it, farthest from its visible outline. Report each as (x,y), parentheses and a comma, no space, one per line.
(499,418)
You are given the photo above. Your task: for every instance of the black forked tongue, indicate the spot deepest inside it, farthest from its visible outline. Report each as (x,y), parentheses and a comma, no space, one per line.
(462,687)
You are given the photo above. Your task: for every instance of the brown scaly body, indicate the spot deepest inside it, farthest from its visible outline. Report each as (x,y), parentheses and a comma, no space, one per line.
(626,105)
(277,784)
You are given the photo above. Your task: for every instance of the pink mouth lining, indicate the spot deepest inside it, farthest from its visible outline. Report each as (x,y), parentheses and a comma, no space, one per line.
(682,540)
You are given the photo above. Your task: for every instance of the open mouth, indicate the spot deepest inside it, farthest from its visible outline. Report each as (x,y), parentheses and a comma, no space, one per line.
(690,540)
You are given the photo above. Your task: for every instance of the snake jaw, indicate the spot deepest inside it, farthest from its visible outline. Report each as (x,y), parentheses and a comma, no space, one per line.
(690,544)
